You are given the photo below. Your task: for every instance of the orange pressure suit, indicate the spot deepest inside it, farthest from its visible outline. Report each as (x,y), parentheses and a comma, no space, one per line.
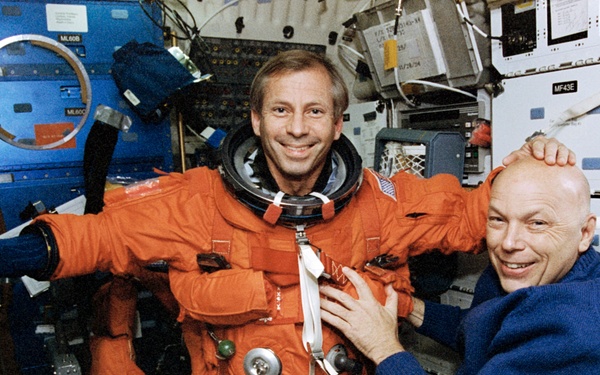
(257,302)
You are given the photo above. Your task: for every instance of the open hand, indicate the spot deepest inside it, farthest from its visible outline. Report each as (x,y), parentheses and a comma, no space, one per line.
(548,149)
(372,327)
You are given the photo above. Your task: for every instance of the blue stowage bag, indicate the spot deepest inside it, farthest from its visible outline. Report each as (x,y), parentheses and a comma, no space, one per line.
(149,78)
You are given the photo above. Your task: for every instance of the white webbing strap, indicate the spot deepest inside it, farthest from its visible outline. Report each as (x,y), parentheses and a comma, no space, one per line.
(310,269)
(571,113)
(278,198)
(322,197)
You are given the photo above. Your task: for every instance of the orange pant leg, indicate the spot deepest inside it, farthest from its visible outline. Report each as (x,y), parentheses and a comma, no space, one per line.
(114,315)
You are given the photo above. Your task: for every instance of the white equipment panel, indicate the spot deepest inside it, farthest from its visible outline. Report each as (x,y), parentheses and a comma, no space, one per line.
(546,102)
(540,36)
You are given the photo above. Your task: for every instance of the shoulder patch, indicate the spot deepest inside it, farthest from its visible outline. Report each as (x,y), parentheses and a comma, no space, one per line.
(385,184)
(143,188)
(131,192)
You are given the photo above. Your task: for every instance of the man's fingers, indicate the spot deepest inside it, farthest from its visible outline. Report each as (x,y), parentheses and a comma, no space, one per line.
(391,302)
(334,320)
(548,149)
(553,152)
(510,158)
(330,292)
(333,307)
(565,156)
(340,302)
(545,149)
(572,158)
(338,315)
(362,289)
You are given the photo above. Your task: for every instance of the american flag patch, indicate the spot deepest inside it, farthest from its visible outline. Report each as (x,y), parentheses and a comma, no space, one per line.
(385,185)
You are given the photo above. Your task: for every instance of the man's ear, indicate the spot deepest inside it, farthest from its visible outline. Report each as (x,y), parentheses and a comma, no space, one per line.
(339,126)
(587,233)
(255,119)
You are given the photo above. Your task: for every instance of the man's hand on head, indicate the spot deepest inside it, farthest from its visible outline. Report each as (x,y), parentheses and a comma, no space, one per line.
(548,149)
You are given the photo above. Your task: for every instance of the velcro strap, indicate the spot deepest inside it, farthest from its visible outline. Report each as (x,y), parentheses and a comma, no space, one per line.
(272,214)
(274,210)
(282,280)
(370,221)
(386,276)
(277,261)
(328,210)
(222,234)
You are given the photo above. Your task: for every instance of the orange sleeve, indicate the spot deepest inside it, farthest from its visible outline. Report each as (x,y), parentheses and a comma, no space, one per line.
(438,213)
(137,227)
(377,278)
(226,297)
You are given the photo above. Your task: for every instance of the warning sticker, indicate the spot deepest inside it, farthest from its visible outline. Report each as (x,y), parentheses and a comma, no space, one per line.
(50,133)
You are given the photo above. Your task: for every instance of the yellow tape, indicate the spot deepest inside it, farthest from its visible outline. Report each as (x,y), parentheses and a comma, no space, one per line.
(390,54)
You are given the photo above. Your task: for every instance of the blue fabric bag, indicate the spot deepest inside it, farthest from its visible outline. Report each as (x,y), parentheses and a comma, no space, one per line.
(149,78)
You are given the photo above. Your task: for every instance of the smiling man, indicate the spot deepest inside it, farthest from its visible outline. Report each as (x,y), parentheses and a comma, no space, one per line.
(539,224)
(535,308)
(297,126)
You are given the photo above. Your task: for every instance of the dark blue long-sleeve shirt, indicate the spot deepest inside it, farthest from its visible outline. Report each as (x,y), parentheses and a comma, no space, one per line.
(550,329)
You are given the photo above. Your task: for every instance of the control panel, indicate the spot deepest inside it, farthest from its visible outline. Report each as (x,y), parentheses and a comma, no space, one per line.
(55,61)
(571,116)
(532,37)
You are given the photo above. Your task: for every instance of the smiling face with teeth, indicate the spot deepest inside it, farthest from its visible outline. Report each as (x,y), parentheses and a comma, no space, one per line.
(297,126)
(538,223)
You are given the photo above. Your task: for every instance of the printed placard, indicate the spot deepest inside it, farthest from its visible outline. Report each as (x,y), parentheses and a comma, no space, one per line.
(67,18)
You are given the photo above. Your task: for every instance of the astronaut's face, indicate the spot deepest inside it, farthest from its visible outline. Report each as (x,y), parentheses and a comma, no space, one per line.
(537,226)
(297,128)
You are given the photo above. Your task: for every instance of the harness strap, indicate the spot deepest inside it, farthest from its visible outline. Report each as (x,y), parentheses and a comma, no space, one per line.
(333,269)
(310,269)
(262,260)
(283,272)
